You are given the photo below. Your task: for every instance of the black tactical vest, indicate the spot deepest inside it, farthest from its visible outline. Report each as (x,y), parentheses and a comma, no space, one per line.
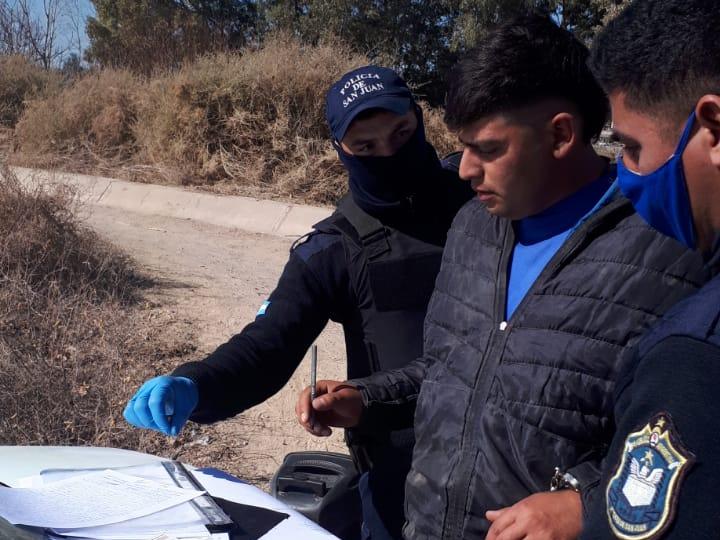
(392,271)
(393,275)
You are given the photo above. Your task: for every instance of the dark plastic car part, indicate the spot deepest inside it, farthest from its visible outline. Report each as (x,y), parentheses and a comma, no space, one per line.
(323,486)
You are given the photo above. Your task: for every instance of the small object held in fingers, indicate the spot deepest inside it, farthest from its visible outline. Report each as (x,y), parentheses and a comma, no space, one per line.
(313,381)
(313,373)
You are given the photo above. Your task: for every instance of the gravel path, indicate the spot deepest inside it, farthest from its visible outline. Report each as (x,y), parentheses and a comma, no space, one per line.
(214,280)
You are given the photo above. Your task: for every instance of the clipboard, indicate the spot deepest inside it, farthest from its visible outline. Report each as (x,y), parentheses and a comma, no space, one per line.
(216,520)
(250,523)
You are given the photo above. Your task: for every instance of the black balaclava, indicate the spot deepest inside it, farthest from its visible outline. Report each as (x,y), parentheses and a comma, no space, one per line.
(393,186)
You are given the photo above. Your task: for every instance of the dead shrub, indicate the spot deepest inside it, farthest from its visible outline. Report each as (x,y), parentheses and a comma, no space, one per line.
(75,340)
(22,80)
(88,122)
(250,123)
(437,132)
(253,120)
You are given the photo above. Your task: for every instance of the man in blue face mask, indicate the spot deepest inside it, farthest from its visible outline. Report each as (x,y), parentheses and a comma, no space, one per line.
(371,267)
(659,61)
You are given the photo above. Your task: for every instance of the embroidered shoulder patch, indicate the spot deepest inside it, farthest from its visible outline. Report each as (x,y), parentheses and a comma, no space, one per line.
(642,495)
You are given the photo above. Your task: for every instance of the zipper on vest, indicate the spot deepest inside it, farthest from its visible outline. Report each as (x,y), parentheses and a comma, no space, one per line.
(462,473)
(459,494)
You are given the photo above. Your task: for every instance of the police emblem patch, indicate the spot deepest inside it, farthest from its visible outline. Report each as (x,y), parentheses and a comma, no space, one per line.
(642,494)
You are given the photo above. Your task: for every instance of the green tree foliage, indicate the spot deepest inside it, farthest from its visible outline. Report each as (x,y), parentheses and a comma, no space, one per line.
(612,8)
(231,23)
(419,38)
(142,35)
(582,17)
(410,35)
(145,35)
(476,17)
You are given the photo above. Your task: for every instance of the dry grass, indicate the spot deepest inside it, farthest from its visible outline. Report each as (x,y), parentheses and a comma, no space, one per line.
(253,120)
(88,123)
(249,123)
(76,337)
(437,132)
(21,80)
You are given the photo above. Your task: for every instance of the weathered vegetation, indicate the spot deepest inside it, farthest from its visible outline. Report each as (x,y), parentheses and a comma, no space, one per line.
(229,95)
(250,123)
(75,331)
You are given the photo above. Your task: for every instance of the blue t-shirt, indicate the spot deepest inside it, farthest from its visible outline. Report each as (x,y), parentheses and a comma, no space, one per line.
(538,237)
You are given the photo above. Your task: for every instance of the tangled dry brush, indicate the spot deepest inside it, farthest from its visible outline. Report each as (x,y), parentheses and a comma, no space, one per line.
(250,123)
(75,333)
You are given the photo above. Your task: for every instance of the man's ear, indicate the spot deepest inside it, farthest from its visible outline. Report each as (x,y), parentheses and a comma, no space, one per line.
(707,112)
(564,133)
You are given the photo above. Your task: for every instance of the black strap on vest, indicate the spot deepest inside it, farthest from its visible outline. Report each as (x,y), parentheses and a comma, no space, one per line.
(371,232)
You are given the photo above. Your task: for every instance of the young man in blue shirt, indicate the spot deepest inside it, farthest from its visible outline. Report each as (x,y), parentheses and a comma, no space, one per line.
(548,278)
(659,61)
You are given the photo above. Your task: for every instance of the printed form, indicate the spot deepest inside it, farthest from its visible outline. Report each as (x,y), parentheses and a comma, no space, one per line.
(90,500)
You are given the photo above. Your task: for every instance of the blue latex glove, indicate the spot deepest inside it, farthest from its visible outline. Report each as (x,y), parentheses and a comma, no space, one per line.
(163,404)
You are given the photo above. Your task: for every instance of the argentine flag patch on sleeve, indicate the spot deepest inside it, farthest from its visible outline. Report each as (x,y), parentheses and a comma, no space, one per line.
(263,308)
(642,495)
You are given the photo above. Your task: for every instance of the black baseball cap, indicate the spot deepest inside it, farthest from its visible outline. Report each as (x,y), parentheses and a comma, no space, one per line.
(368,87)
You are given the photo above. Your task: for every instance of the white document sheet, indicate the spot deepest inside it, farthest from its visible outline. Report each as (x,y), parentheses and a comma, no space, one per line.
(181,521)
(163,536)
(98,498)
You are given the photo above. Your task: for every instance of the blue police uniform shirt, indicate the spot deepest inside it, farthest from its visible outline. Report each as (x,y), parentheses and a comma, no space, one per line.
(539,237)
(661,476)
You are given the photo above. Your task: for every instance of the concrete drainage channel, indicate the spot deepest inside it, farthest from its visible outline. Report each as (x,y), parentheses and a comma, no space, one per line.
(247,214)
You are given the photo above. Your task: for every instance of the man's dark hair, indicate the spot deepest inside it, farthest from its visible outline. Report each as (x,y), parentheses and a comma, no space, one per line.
(663,54)
(520,63)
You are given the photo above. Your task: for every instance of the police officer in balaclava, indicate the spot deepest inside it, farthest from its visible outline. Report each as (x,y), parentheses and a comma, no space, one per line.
(371,267)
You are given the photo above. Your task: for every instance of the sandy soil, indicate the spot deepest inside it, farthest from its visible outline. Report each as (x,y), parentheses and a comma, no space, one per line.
(214,281)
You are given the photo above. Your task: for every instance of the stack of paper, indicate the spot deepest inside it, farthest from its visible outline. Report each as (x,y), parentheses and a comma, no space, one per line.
(105,505)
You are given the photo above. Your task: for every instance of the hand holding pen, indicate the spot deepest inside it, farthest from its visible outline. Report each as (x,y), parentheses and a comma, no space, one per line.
(313,373)
(327,403)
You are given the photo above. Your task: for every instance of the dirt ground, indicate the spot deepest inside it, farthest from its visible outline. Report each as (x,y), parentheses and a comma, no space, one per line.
(214,279)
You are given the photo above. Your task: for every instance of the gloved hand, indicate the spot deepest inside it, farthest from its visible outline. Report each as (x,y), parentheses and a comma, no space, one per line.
(163,404)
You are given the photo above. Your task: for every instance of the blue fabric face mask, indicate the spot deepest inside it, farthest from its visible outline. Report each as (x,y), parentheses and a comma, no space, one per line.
(661,197)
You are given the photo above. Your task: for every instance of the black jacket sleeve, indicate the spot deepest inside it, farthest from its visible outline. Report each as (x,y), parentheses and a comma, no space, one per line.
(392,387)
(588,475)
(677,378)
(257,362)
(390,396)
